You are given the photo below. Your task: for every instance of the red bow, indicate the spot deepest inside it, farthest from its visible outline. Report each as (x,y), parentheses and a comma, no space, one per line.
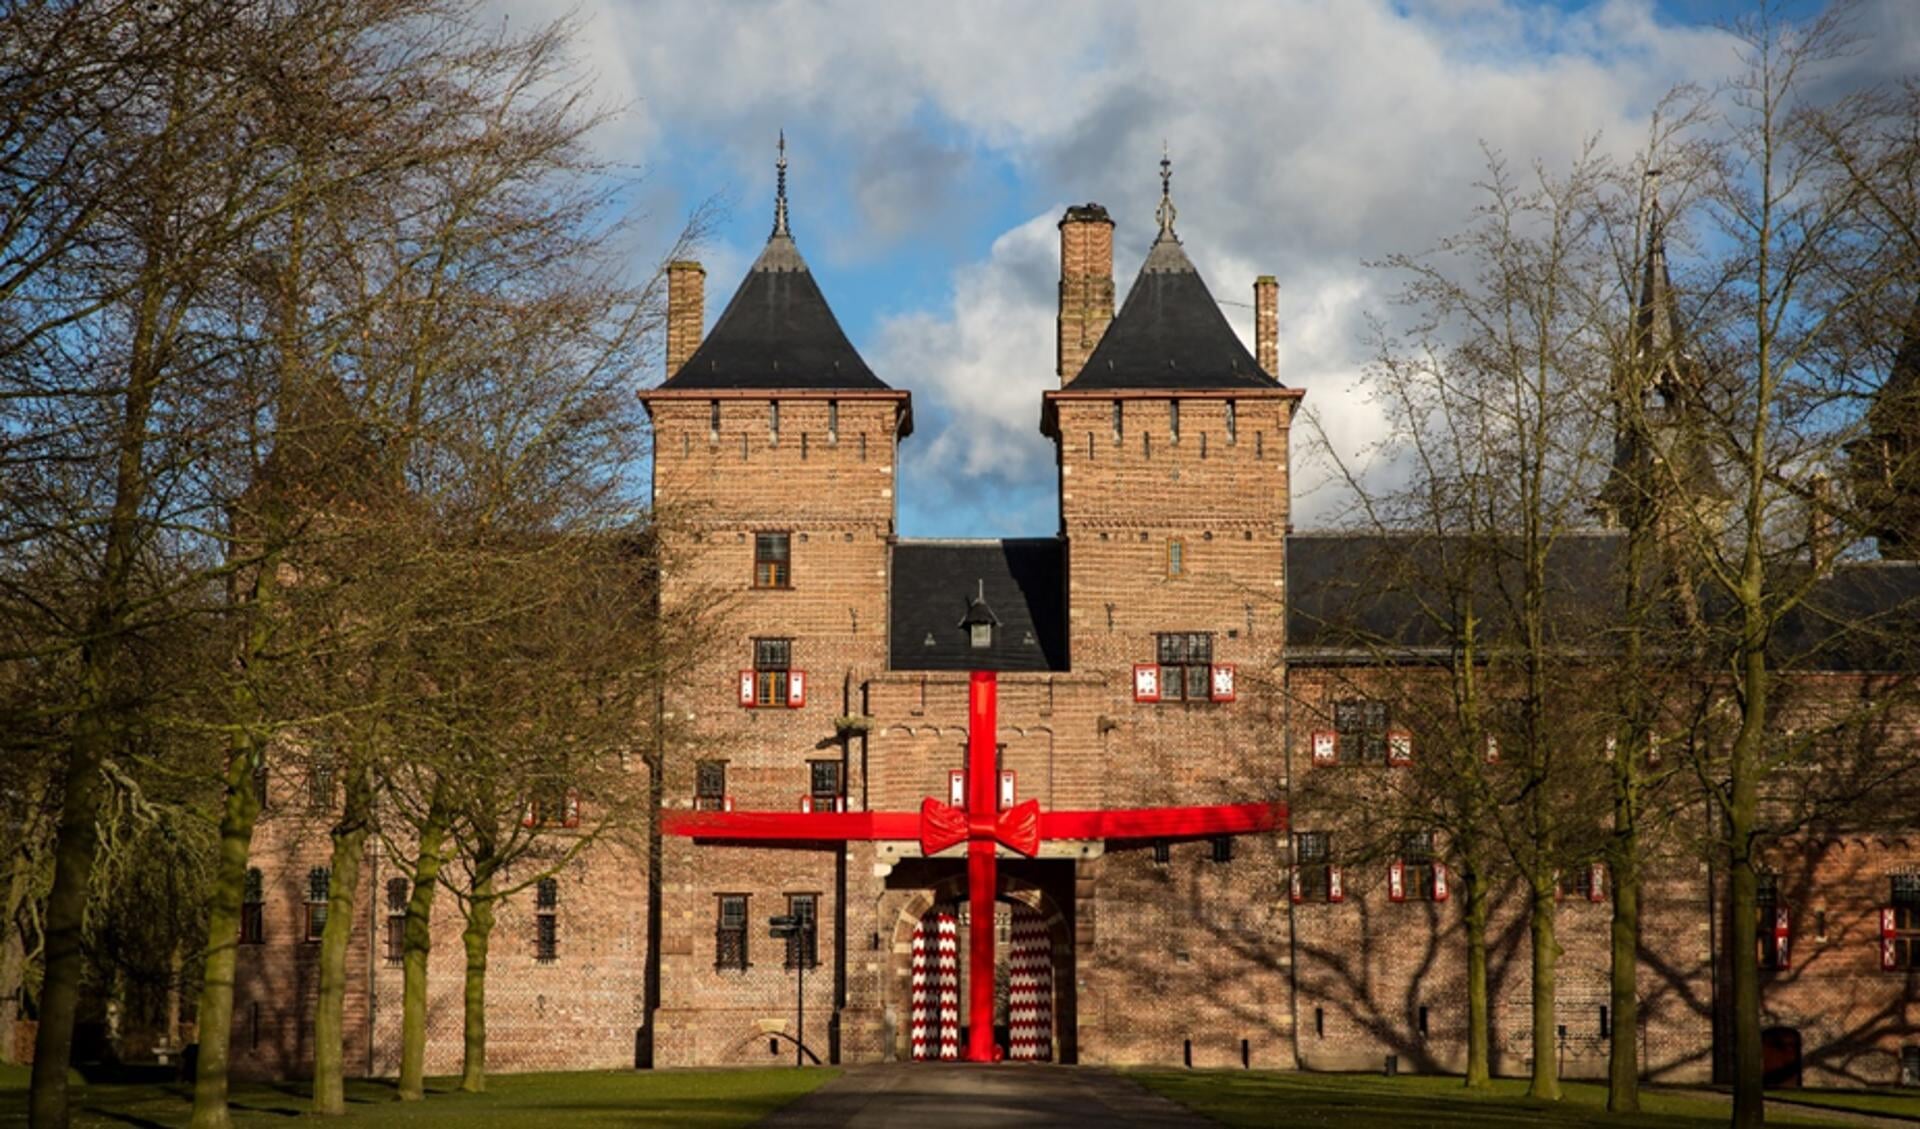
(943,825)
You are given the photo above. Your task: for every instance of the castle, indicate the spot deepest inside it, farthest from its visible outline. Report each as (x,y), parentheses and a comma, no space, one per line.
(1175,644)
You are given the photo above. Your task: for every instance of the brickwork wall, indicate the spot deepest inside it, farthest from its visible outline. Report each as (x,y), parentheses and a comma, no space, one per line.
(833,495)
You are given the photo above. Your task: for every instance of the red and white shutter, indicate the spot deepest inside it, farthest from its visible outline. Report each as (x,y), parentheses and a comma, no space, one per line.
(1223,683)
(726,803)
(1782,935)
(1146,682)
(796,689)
(1335,891)
(1440,890)
(1326,747)
(1006,789)
(1889,950)
(530,815)
(746,688)
(957,787)
(573,809)
(1597,882)
(1493,749)
(1397,881)
(806,805)
(1295,893)
(1399,748)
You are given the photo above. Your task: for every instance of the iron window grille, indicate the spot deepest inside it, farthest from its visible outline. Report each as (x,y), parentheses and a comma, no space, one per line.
(1313,861)
(824,785)
(253,908)
(772,658)
(772,558)
(396,920)
(320,785)
(546,920)
(1417,864)
(1361,726)
(803,946)
(730,933)
(1186,666)
(317,881)
(710,786)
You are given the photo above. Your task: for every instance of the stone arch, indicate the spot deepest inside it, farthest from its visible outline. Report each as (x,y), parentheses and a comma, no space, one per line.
(896,989)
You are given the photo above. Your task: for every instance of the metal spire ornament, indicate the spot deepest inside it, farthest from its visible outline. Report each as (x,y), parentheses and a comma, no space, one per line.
(1166,212)
(780,191)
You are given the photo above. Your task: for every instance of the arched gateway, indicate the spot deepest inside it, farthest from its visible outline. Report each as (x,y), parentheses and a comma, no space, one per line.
(986,823)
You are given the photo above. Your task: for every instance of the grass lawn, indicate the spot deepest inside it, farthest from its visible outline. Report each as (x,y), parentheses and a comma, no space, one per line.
(1245,1099)
(709,1099)
(1886,1103)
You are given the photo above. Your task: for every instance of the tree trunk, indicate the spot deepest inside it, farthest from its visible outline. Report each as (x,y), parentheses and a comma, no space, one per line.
(1623,1047)
(13,949)
(473,1063)
(1749,1094)
(329,1026)
(214,1013)
(418,941)
(1479,1021)
(66,911)
(1545,1083)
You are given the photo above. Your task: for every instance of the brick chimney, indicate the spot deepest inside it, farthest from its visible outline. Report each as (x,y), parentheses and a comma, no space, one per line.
(1823,533)
(686,311)
(1266,324)
(1086,286)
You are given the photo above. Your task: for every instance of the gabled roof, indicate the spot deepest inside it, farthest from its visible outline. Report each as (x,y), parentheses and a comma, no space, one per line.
(941,588)
(1170,333)
(778,332)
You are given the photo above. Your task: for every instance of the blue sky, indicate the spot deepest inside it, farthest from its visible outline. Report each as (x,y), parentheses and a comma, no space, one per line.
(933,146)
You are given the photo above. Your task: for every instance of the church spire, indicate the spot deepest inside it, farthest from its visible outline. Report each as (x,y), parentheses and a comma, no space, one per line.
(1166,211)
(780,191)
(1884,463)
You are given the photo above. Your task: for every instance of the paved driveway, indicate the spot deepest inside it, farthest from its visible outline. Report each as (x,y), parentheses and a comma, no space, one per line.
(961,1096)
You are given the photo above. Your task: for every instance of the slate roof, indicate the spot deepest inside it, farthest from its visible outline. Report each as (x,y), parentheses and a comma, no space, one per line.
(777,333)
(1170,333)
(1364,597)
(1020,584)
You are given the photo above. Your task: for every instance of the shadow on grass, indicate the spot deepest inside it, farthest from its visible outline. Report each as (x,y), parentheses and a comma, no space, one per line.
(1243,1100)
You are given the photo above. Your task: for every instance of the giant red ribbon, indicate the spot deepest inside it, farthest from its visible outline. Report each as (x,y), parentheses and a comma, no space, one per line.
(982,827)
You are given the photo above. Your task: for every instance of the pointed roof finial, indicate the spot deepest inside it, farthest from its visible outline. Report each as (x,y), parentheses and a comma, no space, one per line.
(1166,211)
(780,191)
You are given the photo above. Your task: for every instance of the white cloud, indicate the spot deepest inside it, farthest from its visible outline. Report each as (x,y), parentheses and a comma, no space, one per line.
(1309,136)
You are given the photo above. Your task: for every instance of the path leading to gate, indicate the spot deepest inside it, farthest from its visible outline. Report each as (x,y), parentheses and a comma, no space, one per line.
(959,1096)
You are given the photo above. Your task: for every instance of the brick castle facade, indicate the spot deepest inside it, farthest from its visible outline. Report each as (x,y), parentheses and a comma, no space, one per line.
(839,682)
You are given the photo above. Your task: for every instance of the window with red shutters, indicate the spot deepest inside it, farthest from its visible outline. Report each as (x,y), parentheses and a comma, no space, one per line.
(1186,667)
(1767,907)
(1418,866)
(772,659)
(1360,728)
(1900,926)
(1312,866)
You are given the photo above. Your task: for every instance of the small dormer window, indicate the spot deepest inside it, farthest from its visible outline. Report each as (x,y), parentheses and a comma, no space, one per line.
(979,620)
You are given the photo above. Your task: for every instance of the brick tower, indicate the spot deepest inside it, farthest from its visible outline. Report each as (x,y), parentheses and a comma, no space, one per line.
(774,456)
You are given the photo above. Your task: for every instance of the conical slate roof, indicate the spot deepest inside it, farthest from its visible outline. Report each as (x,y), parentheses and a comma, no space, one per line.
(778,331)
(1170,333)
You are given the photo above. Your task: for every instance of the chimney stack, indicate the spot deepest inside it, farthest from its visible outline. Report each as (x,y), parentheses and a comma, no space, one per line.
(1266,324)
(1822,528)
(686,311)
(1086,286)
